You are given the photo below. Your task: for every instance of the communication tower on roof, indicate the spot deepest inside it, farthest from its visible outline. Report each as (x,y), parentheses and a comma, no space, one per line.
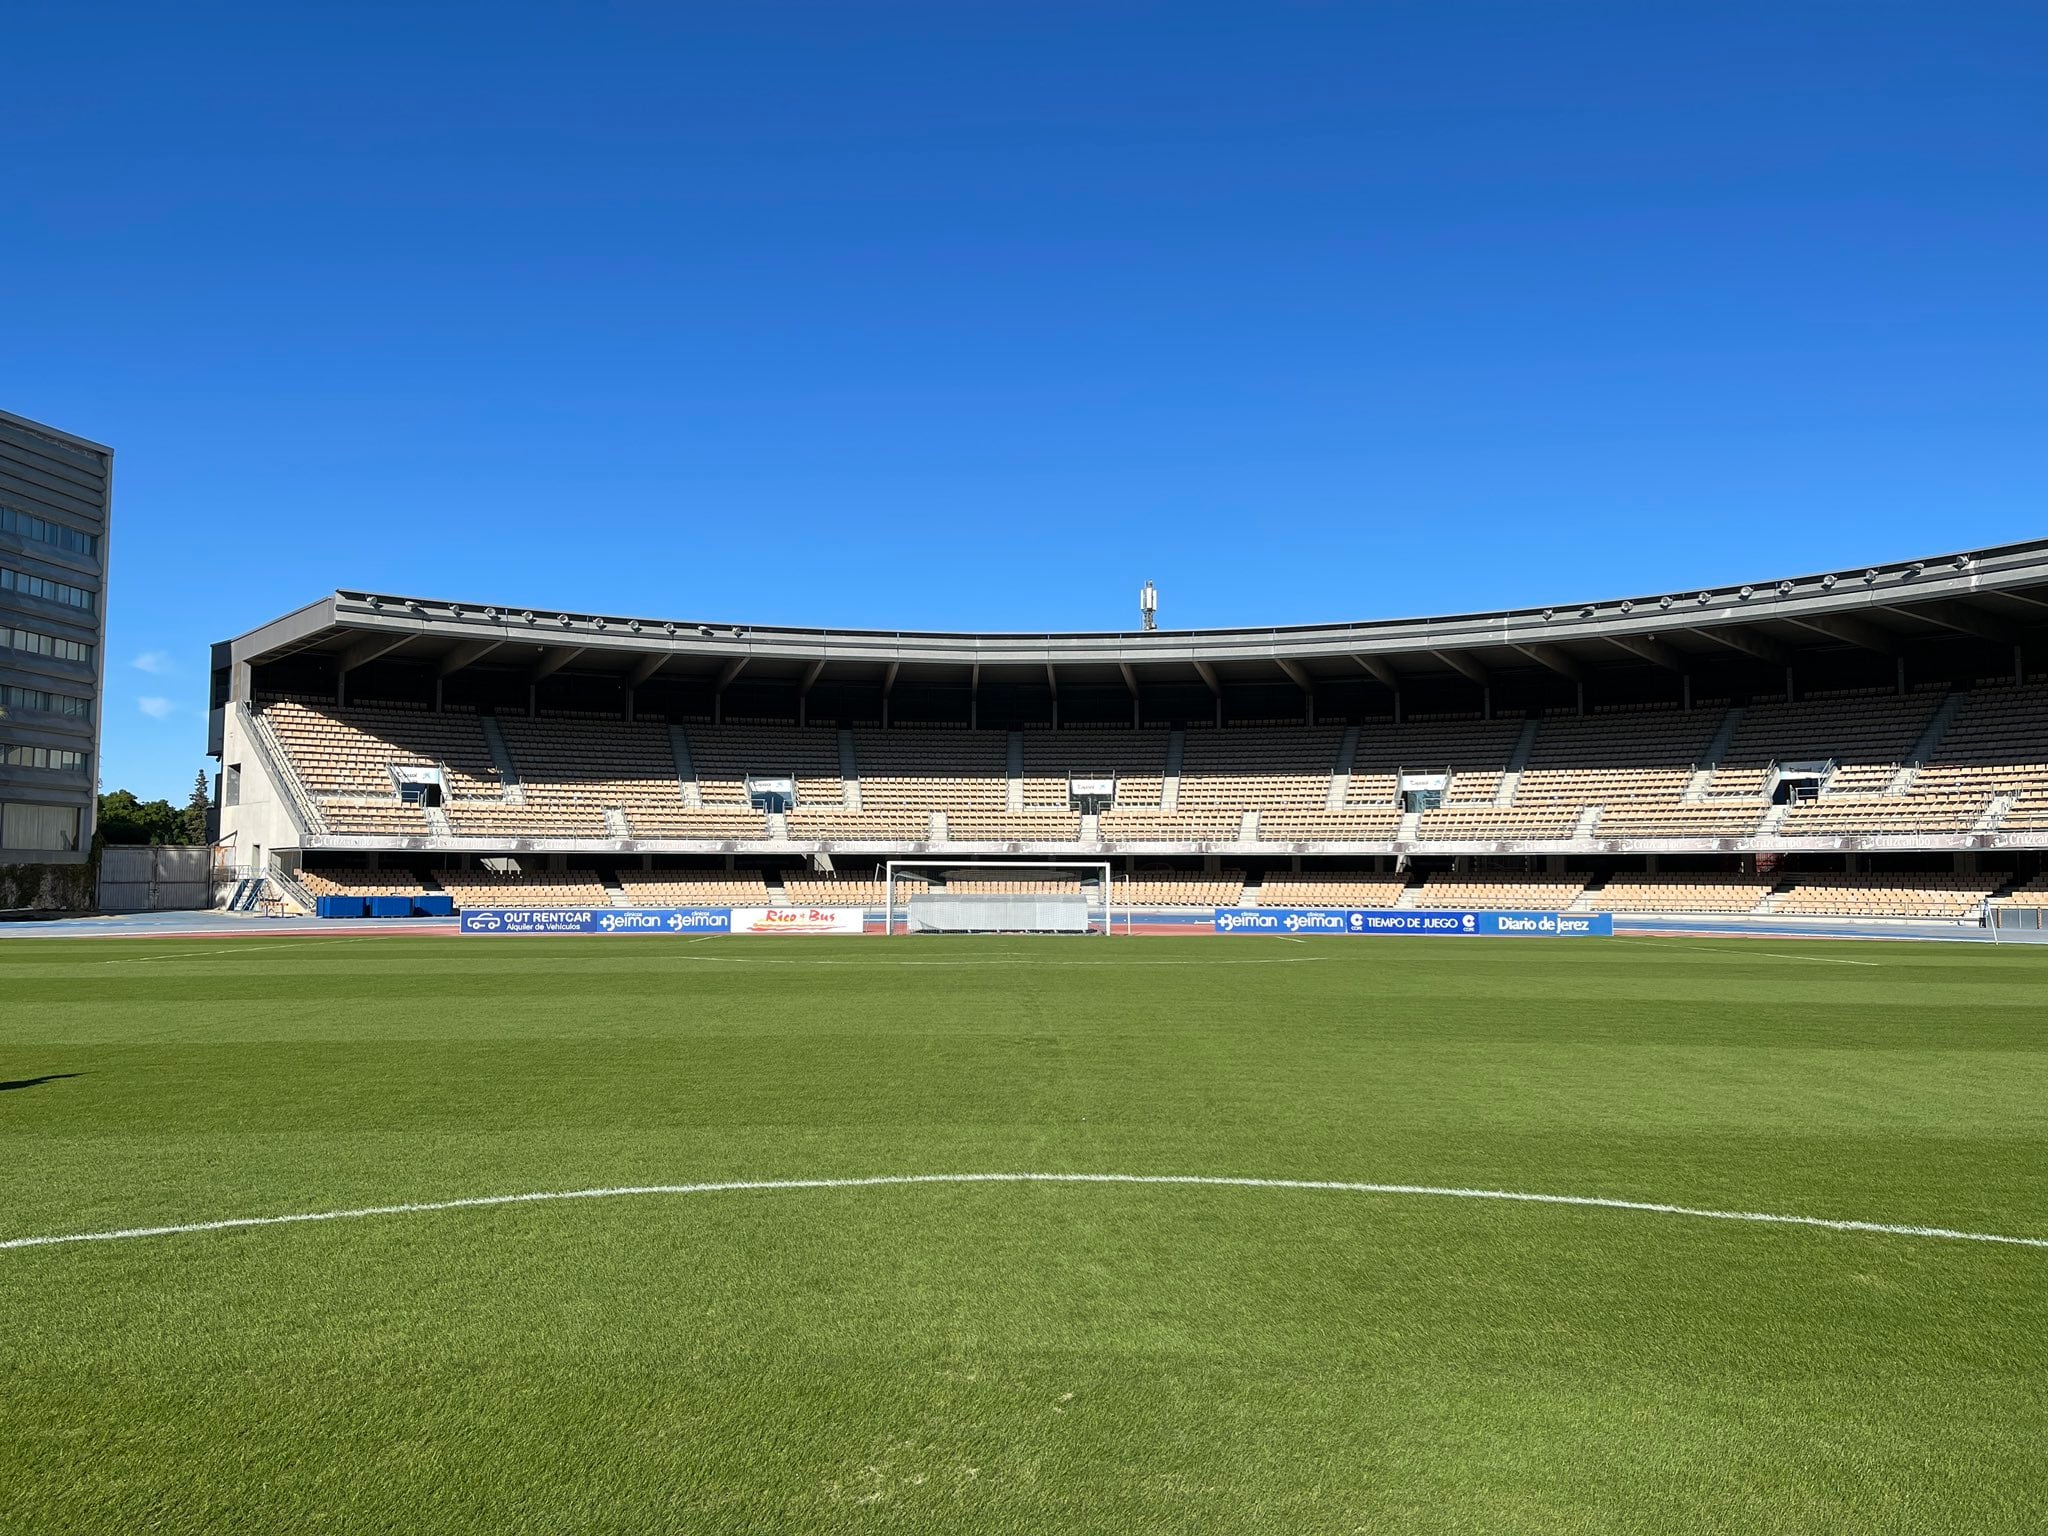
(1148,605)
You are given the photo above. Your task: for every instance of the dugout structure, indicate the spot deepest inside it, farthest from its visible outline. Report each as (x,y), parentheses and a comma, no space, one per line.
(940,912)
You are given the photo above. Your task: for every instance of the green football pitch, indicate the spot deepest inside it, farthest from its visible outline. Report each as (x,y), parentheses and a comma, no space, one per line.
(1024,1357)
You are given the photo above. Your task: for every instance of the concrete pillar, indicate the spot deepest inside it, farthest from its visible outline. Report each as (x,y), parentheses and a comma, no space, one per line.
(1791,685)
(1486,701)
(437,697)
(1685,681)
(1582,697)
(1397,706)
(629,705)
(1902,675)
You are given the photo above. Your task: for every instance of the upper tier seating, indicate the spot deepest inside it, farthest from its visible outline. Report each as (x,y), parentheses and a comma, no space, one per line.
(1642,758)
(1491,823)
(1257,768)
(1136,759)
(917,769)
(1028,826)
(1475,753)
(1171,826)
(1353,824)
(1867,734)
(725,755)
(826,823)
(590,779)
(351,751)
(1696,818)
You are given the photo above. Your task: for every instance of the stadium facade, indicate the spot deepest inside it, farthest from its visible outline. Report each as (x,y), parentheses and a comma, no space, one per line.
(55,498)
(1848,721)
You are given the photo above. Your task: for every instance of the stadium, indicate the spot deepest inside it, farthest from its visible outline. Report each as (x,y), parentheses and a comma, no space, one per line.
(637,1083)
(1866,745)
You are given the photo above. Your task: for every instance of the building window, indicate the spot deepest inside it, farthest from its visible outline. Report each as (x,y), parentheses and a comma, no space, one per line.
(24,525)
(57,759)
(39,828)
(37,643)
(12,697)
(49,591)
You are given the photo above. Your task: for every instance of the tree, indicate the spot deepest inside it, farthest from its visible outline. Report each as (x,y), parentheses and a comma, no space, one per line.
(198,816)
(127,820)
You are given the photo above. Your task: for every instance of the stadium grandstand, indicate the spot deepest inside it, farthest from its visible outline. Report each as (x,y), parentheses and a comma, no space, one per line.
(1870,743)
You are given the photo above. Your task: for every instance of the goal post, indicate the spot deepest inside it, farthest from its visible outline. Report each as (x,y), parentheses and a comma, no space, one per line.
(1104,905)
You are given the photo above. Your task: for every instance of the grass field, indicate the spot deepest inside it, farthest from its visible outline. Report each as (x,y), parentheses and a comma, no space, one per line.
(1022,1358)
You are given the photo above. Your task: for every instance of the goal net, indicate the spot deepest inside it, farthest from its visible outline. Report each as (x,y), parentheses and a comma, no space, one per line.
(1018,896)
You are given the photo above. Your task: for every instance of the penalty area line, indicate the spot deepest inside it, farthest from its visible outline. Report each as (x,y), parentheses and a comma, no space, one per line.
(882,1181)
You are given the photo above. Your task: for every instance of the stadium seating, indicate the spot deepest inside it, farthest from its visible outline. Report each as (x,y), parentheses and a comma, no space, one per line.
(1332,890)
(1135,758)
(1500,892)
(483,888)
(1028,826)
(1927,896)
(361,882)
(917,769)
(709,888)
(1731,894)
(724,756)
(1173,890)
(1611,777)
(1354,824)
(1253,768)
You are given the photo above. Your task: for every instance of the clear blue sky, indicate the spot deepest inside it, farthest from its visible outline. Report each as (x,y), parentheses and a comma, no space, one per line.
(976,315)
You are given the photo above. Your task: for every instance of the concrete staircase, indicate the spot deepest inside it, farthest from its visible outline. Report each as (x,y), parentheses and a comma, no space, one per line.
(1703,770)
(1091,827)
(1924,748)
(1248,828)
(849,770)
(1589,818)
(1015,802)
(614,892)
(615,824)
(1410,827)
(1995,813)
(1405,902)
(437,821)
(686,768)
(1340,776)
(778,826)
(1773,819)
(1511,780)
(1176,751)
(501,756)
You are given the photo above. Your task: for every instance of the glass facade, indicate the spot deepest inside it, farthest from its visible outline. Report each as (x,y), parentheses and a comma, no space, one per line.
(57,759)
(42,700)
(49,591)
(25,525)
(35,643)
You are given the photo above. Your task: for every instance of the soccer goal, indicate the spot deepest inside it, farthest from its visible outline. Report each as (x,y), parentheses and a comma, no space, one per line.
(983,906)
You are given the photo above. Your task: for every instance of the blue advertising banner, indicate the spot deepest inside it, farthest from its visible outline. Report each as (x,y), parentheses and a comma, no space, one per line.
(499,920)
(1296,921)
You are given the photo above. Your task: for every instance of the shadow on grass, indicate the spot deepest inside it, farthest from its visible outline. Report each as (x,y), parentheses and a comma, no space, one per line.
(37,1082)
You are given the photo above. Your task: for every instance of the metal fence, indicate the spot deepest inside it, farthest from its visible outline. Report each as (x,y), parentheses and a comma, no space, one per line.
(163,879)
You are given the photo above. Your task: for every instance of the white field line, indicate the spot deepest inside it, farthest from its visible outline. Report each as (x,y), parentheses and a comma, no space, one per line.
(997,965)
(267,945)
(1887,1229)
(1773,954)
